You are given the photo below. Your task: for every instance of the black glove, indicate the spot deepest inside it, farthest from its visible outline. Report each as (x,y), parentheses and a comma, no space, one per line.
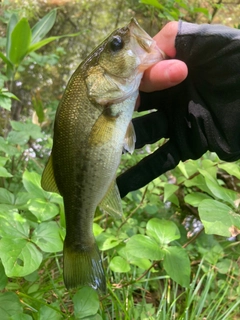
(202,113)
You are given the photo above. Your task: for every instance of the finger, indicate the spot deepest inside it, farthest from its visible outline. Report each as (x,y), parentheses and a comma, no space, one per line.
(165,158)
(163,75)
(150,128)
(165,38)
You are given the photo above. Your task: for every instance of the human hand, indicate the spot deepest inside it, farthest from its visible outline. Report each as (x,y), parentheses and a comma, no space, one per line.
(166,73)
(197,98)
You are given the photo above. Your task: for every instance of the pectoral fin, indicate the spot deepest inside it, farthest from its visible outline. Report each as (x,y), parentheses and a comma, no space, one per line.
(48,182)
(130,139)
(111,203)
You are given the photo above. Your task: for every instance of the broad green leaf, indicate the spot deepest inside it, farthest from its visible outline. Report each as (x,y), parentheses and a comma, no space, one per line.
(43,209)
(5,102)
(13,225)
(19,138)
(141,246)
(20,41)
(19,256)
(153,3)
(11,25)
(30,129)
(4,173)
(31,182)
(118,264)
(6,196)
(177,265)
(217,190)
(195,198)
(198,181)
(49,313)
(218,218)
(86,303)
(3,160)
(140,262)
(9,305)
(106,241)
(6,148)
(182,167)
(21,316)
(47,237)
(169,190)
(163,231)
(3,277)
(232,168)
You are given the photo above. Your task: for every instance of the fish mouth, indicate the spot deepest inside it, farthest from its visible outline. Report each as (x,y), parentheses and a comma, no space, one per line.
(145,47)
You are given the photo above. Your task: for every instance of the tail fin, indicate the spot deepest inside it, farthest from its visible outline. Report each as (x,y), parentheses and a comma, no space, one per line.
(83,268)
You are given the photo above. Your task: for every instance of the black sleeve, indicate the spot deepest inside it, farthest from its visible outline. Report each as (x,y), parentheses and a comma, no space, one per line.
(202,113)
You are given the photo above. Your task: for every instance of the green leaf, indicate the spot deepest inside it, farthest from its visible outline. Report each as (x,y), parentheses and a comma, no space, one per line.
(86,303)
(43,209)
(9,305)
(6,60)
(118,264)
(47,237)
(43,26)
(6,148)
(106,241)
(199,182)
(29,129)
(19,138)
(6,196)
(3,277)
(48,313)
(153,3)
(169,190)
(40,44)
(218,218)
(217,190)
(4,173)
(177,265)
(163,231)
(231,167)
(11,25)
(195,198)
(22,316)
(20,41)
(38,107)
(31,182)
(5,102)
(141,246)
(19,256)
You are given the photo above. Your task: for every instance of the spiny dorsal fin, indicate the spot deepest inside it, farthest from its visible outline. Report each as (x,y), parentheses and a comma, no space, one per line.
(111,203)
(130,139)
(48,182)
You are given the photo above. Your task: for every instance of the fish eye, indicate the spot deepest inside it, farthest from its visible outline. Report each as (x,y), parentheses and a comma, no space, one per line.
(116,43)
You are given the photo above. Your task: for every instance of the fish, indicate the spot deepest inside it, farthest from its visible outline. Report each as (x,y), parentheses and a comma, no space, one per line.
(92,128)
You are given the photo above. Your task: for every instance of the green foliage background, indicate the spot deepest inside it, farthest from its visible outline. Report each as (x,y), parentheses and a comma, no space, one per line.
(175,254)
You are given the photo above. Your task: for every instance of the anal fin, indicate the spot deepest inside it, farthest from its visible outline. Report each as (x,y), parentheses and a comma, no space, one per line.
(112,203)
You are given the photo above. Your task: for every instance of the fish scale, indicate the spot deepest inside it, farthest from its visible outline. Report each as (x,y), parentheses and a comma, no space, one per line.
(92,127)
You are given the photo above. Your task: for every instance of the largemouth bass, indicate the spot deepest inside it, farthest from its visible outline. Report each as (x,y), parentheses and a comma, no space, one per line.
(92,127)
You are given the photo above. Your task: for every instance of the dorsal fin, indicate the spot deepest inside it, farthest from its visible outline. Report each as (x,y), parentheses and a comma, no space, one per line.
(48,182)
